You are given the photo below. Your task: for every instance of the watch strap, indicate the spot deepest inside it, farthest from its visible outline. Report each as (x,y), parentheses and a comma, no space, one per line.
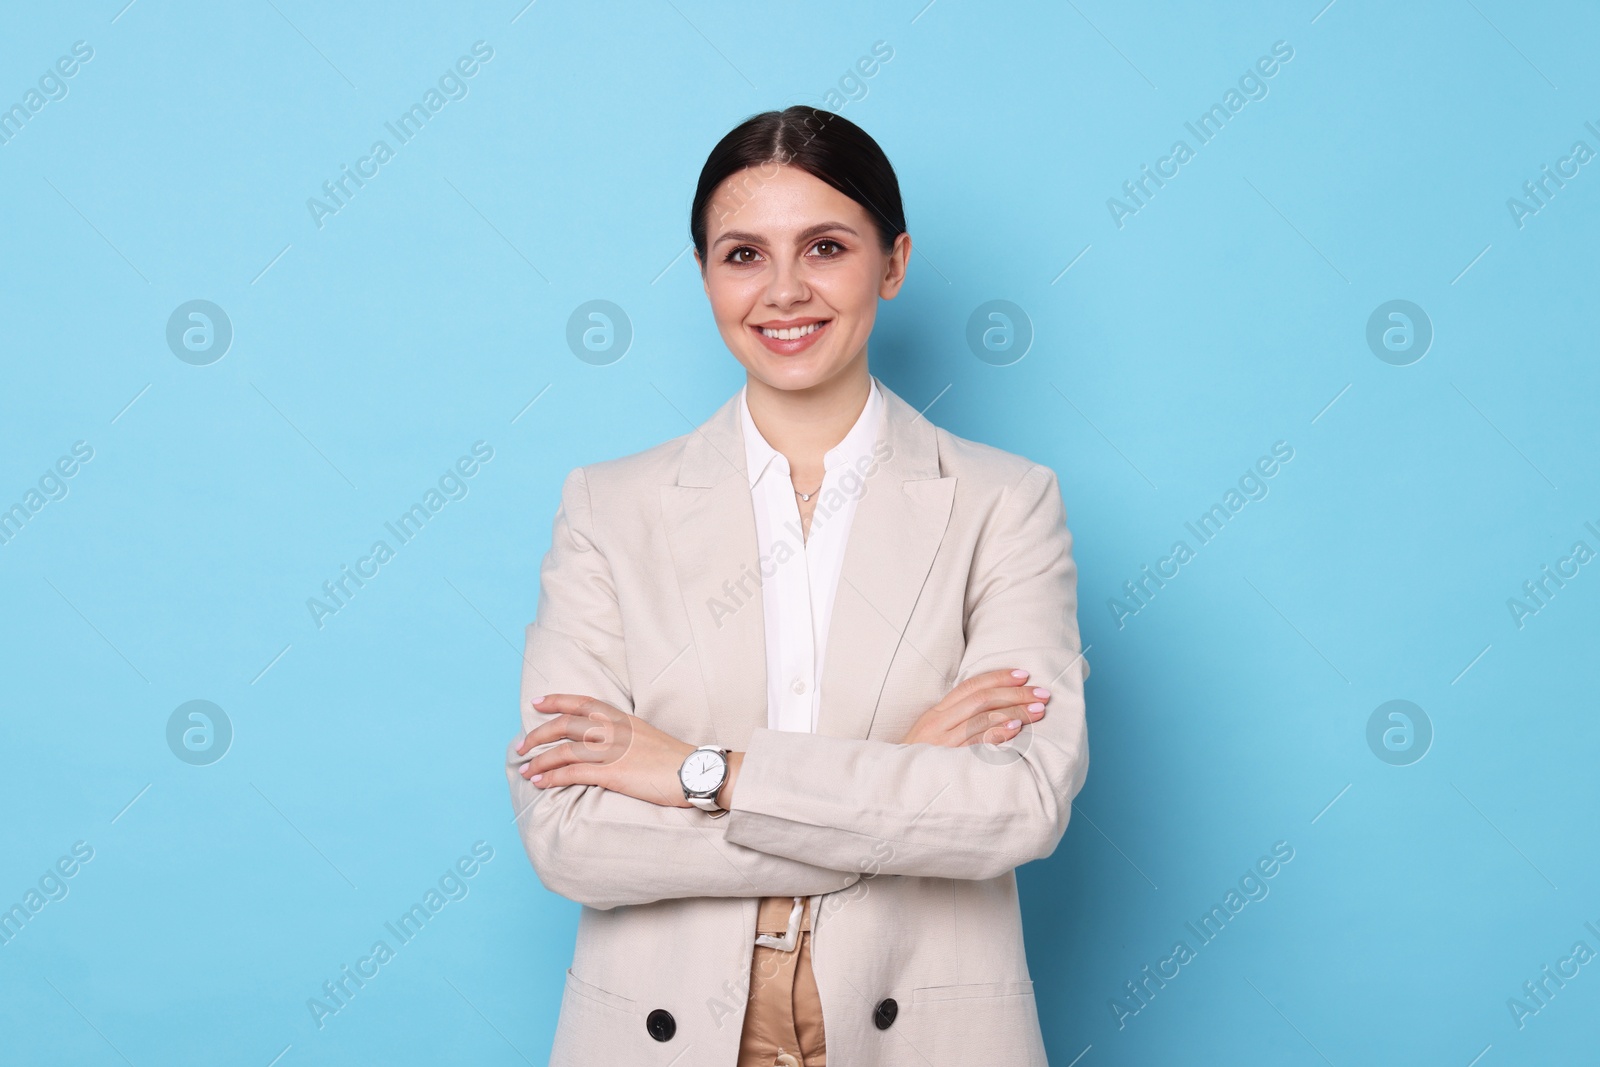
(708,804)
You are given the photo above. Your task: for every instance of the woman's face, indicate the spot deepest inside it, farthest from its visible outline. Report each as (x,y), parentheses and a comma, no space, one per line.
(787,252)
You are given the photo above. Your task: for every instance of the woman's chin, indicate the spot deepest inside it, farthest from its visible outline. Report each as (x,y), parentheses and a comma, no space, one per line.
(805,370)
(794,379)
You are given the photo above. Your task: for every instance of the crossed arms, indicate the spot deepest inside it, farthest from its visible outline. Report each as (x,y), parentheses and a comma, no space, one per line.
(811,813)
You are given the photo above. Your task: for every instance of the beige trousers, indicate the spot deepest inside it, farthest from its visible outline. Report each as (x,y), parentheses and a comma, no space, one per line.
(783,1018)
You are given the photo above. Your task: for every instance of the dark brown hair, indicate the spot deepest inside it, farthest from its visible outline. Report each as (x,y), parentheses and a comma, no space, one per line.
(827,146)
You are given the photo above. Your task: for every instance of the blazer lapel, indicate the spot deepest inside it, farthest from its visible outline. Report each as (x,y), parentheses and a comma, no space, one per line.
(711,527)
(899,524)
(710,524)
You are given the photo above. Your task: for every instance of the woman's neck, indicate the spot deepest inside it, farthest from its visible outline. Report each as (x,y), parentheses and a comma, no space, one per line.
(804,424)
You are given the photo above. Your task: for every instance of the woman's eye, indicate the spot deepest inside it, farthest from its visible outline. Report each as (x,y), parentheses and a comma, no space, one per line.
(833,248)
(736,255)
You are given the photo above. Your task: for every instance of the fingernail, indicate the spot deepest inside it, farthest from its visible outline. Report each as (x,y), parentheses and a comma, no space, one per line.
(1013,724)
(536,777)
(1042,693)
(1037,709)
(1019,674)
(539,700)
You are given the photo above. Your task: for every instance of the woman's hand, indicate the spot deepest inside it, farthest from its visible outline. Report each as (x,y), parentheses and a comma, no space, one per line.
(605,747)
(989,707)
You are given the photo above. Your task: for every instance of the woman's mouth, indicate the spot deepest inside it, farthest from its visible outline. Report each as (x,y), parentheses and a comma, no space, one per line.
(789,340)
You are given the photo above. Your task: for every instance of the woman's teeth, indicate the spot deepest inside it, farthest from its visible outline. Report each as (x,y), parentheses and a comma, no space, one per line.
(792,332)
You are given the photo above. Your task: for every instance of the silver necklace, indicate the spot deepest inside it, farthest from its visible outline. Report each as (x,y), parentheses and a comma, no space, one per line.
(807,496)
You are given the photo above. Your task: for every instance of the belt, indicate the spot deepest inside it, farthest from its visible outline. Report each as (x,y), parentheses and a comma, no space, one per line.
(779,921)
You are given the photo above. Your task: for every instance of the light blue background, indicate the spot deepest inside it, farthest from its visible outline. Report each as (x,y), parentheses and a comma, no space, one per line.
(1228,314)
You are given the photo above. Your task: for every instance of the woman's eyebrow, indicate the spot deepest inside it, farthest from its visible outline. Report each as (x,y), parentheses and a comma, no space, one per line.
(746,237)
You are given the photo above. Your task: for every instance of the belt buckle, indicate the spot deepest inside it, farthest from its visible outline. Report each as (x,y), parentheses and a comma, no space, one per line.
(787,942)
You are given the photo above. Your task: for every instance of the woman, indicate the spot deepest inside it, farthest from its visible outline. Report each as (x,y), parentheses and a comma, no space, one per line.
(738,697)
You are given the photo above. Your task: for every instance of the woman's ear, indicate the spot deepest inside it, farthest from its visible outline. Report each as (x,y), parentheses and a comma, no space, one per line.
(705,283)
(894,271)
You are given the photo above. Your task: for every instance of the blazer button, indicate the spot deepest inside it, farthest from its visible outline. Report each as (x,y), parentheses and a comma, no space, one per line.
(660,1024)
(883,1015)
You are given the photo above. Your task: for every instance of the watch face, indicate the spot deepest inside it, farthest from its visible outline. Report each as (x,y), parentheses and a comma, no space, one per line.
(703,771)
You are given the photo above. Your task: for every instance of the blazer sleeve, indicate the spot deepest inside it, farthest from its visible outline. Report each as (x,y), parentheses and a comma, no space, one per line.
(589,844)
(973,812)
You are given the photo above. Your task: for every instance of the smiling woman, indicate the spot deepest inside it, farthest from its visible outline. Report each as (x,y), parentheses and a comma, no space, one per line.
(784,283)
(723,788)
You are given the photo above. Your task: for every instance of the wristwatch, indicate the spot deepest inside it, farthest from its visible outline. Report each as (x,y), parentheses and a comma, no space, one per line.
(702,775)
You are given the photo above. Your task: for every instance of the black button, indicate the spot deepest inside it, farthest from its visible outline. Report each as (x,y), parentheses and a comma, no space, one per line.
(661,1024)
(883,1015)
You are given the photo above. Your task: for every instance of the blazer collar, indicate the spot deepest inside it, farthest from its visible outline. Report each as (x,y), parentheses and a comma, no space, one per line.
(855,448)
(716,447)
(899,524)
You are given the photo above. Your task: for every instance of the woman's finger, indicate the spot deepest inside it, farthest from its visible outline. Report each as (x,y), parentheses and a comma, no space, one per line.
(1001,698)
(986,680)
(556,729)
(596,732)
(989,726)
(551,758)
(983,698)
(997,733)
(1006,697)
(561,702)
(1032,711)
(975,728)
(579,748)
(579,773)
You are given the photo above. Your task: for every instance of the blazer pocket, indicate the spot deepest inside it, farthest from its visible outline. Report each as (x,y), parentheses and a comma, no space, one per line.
(598,995)
(597,1026)
(980,1022)
(967,992)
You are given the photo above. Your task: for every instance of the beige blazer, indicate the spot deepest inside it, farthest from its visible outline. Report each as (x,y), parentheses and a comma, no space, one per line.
(959,561)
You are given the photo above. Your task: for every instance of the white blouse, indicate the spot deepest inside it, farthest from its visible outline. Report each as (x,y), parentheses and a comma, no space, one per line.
(799,575)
